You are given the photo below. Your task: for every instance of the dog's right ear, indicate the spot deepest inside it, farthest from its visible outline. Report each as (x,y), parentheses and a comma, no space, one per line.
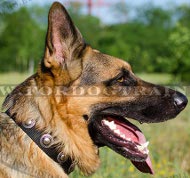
(64,43)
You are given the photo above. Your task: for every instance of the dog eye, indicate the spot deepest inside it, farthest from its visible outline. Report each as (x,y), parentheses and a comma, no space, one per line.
(126,81)
(121,79)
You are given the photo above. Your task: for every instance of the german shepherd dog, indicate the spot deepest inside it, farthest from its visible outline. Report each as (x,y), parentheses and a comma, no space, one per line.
(78,101)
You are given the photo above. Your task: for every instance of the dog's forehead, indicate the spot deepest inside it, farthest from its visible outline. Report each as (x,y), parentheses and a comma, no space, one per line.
(117,63)
(96,57)
(107,60)
(99,67)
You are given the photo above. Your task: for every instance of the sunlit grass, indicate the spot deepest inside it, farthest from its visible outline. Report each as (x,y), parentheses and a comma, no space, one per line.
(163,79)
(169,142)
(11,79)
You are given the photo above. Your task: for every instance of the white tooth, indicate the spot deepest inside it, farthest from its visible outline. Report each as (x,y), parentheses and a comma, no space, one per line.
(145,145)
(117,131)
(106,122)
(146,152)
(141,148)
(122,136)
(112,125)
(128,139)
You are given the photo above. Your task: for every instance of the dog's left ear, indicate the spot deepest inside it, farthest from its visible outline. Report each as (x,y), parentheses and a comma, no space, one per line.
(64,43)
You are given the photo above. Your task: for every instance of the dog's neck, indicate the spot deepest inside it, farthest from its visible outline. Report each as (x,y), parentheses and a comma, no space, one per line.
(45,143)
(51,117)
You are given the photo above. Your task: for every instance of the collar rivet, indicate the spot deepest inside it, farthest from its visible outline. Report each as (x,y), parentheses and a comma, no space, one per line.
(29,123)
(61,157)
(46,140)
(71,168)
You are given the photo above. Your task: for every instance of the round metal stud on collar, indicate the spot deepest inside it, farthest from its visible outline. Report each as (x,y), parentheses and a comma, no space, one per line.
(29,123)
(71,168)
(46,140)
(61,157)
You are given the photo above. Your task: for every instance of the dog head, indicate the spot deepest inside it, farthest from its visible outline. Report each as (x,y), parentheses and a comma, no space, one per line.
(110,92)
(93,96)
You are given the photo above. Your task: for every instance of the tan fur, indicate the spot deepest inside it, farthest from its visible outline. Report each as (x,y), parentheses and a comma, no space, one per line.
(61,113)
(33,100)
(21,157)
(69,64)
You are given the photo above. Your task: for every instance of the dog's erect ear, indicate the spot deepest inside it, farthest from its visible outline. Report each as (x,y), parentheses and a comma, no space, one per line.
(64,42)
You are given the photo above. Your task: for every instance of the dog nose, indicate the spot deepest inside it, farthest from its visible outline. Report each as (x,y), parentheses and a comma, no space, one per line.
(180,101)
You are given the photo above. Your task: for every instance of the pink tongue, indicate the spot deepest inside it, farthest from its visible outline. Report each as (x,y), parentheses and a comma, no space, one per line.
(145,167)
(133,132)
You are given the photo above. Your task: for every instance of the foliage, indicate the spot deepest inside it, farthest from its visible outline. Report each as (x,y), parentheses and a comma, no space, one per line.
(154,40)
(183,15)
(154,16)
(21,41)
(179,45)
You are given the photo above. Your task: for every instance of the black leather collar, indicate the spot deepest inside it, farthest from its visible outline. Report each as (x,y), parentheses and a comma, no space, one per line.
(42,140)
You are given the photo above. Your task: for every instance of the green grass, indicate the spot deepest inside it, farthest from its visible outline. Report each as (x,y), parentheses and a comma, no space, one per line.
(169,142)
(164,79)
(10,79)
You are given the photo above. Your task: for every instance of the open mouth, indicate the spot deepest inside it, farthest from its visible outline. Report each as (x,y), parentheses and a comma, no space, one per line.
(124,138)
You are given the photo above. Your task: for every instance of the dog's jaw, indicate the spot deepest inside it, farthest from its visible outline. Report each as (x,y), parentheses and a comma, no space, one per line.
(123,137)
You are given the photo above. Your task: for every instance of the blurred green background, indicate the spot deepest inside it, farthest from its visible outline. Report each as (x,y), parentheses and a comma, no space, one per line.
(155,40)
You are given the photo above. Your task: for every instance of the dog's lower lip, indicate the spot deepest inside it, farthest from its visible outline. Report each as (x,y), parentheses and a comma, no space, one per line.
(129,141)
(124,138)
